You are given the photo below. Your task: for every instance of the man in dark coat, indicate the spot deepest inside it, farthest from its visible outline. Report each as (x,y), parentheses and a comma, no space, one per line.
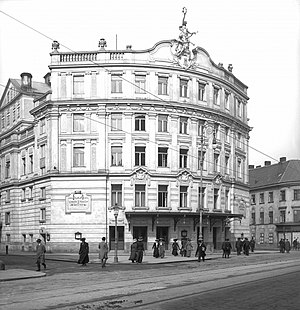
(133,251)
(252,244)
(201,249)
(83,253)
(281,246)
(226,247)
(246,246)
(175,248)
(238,246)
(140,250)
(40,255)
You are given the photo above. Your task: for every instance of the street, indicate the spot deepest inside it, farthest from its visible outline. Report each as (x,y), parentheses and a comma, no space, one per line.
(263,281)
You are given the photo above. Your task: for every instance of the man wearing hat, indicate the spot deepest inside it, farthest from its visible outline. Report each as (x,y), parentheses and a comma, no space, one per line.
(140,250)
(40,254)
(133,251)
(201,249)
(83,253)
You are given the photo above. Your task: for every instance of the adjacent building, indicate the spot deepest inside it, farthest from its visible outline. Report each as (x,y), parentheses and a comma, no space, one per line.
(275,202)
(150,143)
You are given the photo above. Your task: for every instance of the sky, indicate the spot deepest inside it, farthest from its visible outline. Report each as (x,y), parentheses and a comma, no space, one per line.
(259,37)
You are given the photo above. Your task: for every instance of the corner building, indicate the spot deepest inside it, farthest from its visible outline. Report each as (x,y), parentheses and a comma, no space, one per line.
(129,129)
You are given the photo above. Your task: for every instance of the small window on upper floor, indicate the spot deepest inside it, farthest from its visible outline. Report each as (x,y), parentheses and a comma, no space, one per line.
(78,122)
(116,121)
(78,84)
(42,126)
(140,84)
(216,91)
(162,85)
(270,197)
(201,91)
(140,122)
(261,198)
(226,99)
(296,194)
(116,83)
(282,195)
(184,88)
(162,123)
(253,199)
(183,125)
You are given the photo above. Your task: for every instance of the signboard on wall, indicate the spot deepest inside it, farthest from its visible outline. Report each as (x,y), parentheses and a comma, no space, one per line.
(78,202)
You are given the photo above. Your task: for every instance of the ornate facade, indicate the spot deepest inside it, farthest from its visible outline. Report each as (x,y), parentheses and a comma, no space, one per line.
(143,130)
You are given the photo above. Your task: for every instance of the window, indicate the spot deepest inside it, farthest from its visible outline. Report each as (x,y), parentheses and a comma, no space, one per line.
(162,196)
(23,194)
(216,95)
(7,169)
(296,194)
(7,198)
(203,197)
(270,197)
(239,139)
(42,158)
(201,128)
(183,88)
(42,126)
(253,201)
(162,85)
(140,83)
(162,157)
(78,122)
(261,198)
(226,199)
(282,216)
(271,217)
(116,83)
(201,91)
(140,121)
(140,155)
(183,158)
(30,192)
(78,84)
(162,123)
(271,238)
(116,121)
(226,100)
(282,195)
(261,238)
(253,222)
(216,198)
(140,196)
(239,167)
(8,118)
(24,238)
(8,238)
(7,218)
(183,123)
(183,197)
(261,217)
(216,162)
(3,120)
(203,160)
(78,156)
(116,155)
(43,193)
(23,165)
(239,108)
(296,214)
(116,195)
(227,134)
(42,215)
(227,158)
(31,163)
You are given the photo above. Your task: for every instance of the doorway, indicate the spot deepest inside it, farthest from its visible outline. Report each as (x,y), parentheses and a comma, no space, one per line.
(163,232)
(141,231)
(120,237)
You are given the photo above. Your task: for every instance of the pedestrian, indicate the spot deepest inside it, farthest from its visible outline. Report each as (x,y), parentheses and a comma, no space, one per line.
(201,250)
(226,247)
(252,244)
(189,248)
(155,248)
(281,246)
(40,255)
(83,253)
(175,247)
(133,251)
(140,250)
(161,248)
(238,246)
(246,246)
(103,252)
(287,245)
(183,247)
(295,244)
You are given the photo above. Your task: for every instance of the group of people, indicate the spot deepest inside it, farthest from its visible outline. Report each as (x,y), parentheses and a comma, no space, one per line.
(244,245)
(137,251)
(284,246)
(186,247)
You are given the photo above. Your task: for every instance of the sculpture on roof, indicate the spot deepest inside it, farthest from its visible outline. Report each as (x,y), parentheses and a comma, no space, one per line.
(181,48)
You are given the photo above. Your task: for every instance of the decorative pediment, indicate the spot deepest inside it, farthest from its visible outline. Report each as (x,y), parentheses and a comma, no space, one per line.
(184,177)
(140,175)
(218,179)
(9,94)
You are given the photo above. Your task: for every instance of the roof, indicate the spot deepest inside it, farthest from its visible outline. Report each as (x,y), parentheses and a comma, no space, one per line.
(283,172)
(36,87)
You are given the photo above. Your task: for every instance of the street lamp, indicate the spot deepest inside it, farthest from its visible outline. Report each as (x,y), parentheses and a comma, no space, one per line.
(214,143)
(116,212)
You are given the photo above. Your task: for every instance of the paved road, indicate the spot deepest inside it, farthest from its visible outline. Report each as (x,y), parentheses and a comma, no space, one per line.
(112,287)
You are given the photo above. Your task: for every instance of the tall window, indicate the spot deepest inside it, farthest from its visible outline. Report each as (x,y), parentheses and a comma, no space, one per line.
(226,134)
(116,155)
(282,195)
(216,162)
(216,198)
(7,199)
(239,167)
(271,238)
(183,88)
(42,126)
(183,158)
(7,168)
(183,124)
(261,216)
(162,157)
(253,201)
(261,238)
(162,196)
(23,165)
(296,194)
(140,155)
(30,195)
(42,158)
(253,217)
(183,201)
(226,100)
(162,123)
(78,84)
(116,195)
(42,215)
(7,218)
(78,122)
(203,160)
(297,215)
(201,91)
(140,122)
(23,194)
(270,197)
(261,198)
(216,95)
(116,121)
(226,199)
(43,193)
(203,197)
(140,83)
(116,83)
(78,156)
(140,196)
(31,163)
(162,85)
(271,217)
(282,216)
(227,164)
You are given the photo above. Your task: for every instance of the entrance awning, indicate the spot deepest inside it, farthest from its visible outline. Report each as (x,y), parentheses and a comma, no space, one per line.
(212,217)
(288,227)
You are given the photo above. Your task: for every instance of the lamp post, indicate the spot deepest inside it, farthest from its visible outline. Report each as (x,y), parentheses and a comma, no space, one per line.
(209,130)
(116,212)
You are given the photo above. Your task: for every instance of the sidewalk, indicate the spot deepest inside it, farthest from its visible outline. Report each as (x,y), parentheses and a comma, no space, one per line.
(18,274)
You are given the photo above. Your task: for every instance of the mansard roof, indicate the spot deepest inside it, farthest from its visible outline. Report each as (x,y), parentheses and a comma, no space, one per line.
(277,174)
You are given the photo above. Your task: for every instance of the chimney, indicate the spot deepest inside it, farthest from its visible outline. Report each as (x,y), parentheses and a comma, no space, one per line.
(267,163)
(258,166)
(26,80)
(251,167)
(129,47)
(47,79)
(282,159)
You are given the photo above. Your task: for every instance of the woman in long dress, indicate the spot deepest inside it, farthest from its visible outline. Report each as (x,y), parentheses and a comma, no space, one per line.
(103,250)
(83,253)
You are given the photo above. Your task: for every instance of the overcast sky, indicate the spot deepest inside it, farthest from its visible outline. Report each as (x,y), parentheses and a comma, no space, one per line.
(259,37)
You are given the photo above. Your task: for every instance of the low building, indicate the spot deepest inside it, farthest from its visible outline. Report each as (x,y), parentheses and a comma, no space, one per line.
(275,202)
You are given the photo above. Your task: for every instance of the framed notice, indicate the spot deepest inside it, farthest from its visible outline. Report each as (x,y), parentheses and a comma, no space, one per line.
(78,202)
